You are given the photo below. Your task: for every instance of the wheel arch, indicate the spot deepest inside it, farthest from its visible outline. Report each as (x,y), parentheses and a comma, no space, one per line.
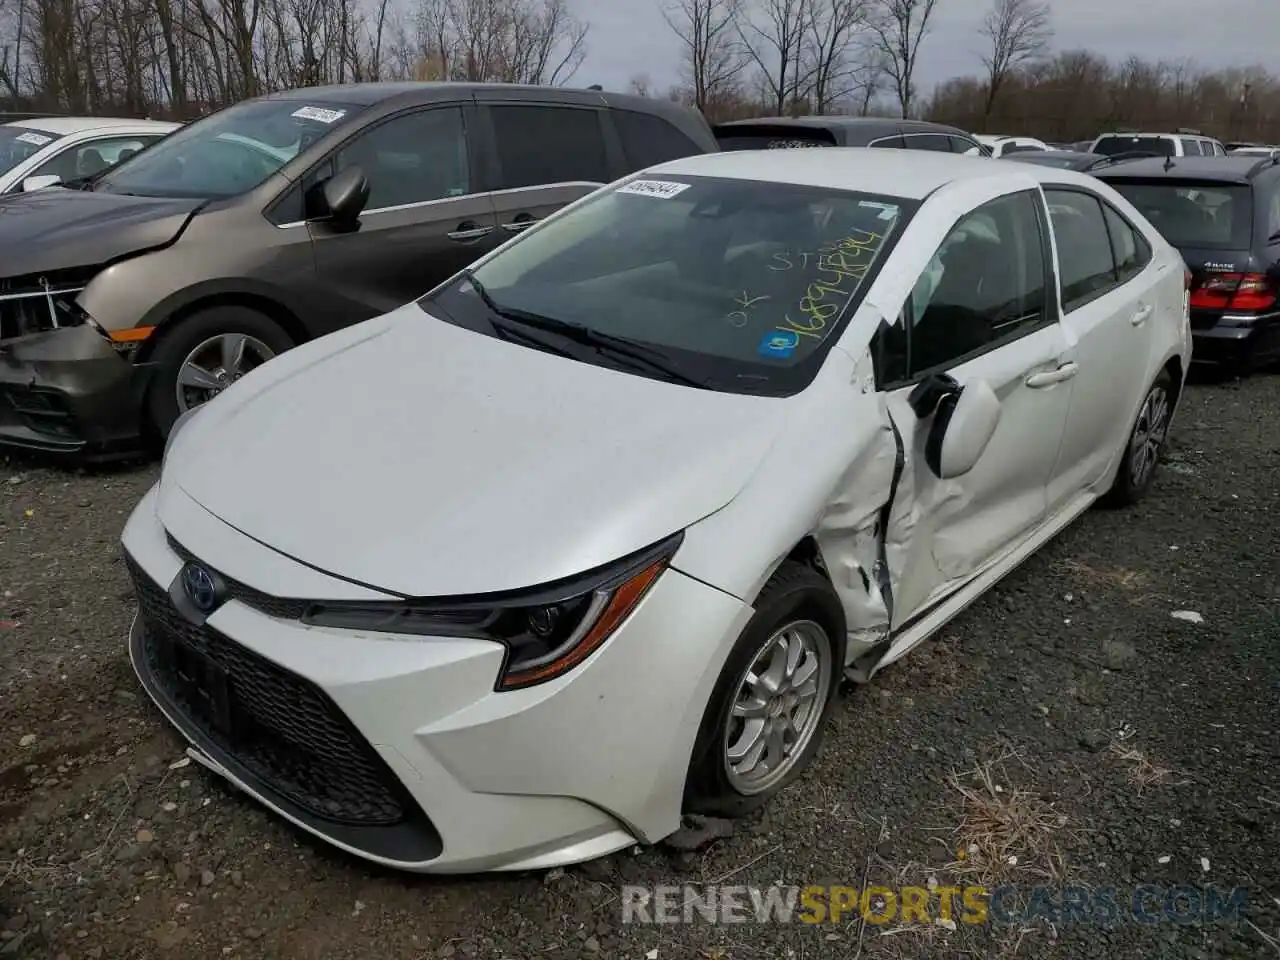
(175,309)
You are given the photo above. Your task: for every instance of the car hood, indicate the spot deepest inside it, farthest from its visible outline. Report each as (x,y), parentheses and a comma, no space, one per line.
(423,459)
(56,228)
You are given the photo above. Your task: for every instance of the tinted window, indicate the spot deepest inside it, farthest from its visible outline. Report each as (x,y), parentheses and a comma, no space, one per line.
(1205,215)
(1085,266)
(985,285)
(745,282)
(747,137)
(1018,148)
(1218,149)
(927,141)
(1131,250)
(88,159)
(1190,147)
(412,158)
(544,144)
(21,143)
(963,145)
(888,143)
(1273,219)
(1116,144)
(648,140)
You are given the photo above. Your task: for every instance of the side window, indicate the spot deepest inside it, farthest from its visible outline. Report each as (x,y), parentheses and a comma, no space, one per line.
(1190,148)
(986,285)
(1085,264)
(411,159)
(888,143)
(963,145)
(648,140)
(1132,253)
(1273,218)
(87,159)
(545,144)
(927,141)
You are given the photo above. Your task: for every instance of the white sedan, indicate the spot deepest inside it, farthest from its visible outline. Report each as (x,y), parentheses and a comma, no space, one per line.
(1006,146)
(514,575)
(43,151)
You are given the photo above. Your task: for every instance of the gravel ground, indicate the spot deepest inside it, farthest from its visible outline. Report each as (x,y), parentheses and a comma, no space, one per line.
(1067,729)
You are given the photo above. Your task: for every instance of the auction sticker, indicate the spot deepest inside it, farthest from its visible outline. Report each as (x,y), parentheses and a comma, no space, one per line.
(319,114)
(658,189)
(38,139)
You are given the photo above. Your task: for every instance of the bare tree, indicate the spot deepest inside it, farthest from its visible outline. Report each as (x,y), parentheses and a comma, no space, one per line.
(712,57)
(1017,31)
(832,28)
(773,39)
(899,26)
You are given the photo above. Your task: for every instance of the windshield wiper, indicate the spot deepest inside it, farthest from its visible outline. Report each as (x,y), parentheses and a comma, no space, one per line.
(635,355)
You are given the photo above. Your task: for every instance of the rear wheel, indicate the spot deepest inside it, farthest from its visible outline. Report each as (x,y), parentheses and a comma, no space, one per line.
(203,354)
(1146,442)
(764,723)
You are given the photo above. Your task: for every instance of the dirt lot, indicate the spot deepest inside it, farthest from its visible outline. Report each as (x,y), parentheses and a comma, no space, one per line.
(1068,729)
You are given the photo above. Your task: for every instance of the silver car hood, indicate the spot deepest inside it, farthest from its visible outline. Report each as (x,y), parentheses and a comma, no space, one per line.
(423,459)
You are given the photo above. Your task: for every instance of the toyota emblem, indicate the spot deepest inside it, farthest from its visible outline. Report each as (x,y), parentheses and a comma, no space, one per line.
(201,587)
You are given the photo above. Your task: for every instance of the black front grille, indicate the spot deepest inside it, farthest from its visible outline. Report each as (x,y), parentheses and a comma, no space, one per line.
(283,730)
(283,608)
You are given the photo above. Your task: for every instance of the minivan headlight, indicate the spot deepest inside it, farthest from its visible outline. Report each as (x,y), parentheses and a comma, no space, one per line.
(547,631)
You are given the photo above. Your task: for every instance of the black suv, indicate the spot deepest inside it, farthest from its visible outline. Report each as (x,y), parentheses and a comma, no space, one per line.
(1223,215)
(131,298)
(773,133)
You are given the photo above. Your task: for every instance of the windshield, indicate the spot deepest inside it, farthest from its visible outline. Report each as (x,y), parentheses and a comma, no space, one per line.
(21,143)
(740,285)
(1214,216)
(228,153)
(1114,145)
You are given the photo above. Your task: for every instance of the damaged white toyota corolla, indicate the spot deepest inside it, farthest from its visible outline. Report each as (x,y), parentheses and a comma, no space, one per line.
(514,575)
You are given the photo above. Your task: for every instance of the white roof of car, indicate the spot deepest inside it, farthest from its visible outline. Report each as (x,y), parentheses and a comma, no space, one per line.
(68,125)
(911,174)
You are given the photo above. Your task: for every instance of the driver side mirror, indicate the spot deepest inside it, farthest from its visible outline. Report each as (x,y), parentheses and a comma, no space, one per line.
(39,183)
(344,195)
(964,421)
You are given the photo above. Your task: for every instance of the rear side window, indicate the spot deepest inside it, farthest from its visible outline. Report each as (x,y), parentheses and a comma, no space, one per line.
(1132,252)
(963,145)
(1212,216)
(549,144)
(888,143)
(1085,265)
(1116,144)
(927,141)
(648,140)
(747,137)
(1190,147)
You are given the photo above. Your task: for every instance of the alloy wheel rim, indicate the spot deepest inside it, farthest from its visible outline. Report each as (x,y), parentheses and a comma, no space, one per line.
(1149,435)
(217,363)
(777,706)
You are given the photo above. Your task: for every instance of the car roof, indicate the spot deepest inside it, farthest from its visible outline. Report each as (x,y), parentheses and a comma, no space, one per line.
(1228,169)
(1154,133)
(68,125)
(368,94)
(910,174)
(888,124)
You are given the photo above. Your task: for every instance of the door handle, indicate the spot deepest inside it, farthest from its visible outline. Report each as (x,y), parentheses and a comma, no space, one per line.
(1047,378)
(467,232)
(522,222)
(1142,315)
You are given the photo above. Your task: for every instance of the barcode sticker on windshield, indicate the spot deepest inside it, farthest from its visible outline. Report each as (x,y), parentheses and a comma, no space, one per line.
(658,189)
(319,114)
(39,139)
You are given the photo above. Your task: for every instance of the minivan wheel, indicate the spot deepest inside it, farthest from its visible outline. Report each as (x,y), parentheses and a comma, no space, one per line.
(1146,442)
(764,722)
(203,354)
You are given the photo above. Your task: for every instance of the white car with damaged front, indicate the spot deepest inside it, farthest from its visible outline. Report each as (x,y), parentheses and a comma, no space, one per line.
(513,576)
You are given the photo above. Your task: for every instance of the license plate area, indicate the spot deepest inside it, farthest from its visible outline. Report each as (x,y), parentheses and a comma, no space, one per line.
(206,687)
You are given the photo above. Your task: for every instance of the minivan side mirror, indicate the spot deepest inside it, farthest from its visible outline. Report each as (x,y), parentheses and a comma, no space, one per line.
(964,421)
(39,183)
(345,195)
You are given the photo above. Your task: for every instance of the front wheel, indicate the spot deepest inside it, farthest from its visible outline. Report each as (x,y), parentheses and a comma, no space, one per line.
(764,723)
(203,354)
(1146,442)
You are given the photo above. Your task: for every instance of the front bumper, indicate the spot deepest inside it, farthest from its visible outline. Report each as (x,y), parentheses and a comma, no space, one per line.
(68,391)
(398,749)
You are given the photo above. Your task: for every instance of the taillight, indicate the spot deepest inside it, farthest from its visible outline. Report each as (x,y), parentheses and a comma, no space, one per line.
(1234,291)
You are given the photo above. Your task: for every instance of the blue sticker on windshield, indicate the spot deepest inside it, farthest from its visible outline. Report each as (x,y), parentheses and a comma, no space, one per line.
(779,344)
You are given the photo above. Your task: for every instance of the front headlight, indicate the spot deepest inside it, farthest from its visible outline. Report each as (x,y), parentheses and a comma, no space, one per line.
(547,631)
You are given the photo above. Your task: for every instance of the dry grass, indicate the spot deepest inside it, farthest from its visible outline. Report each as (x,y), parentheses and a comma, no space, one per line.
(1142,773)
(1006,831)
(1128,580)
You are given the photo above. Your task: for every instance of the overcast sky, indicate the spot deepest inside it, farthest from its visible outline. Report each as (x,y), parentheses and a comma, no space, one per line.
(630,37)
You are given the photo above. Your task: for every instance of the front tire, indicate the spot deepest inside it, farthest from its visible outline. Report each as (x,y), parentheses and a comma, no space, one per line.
(1146,442)
(763,725)
(203,354)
